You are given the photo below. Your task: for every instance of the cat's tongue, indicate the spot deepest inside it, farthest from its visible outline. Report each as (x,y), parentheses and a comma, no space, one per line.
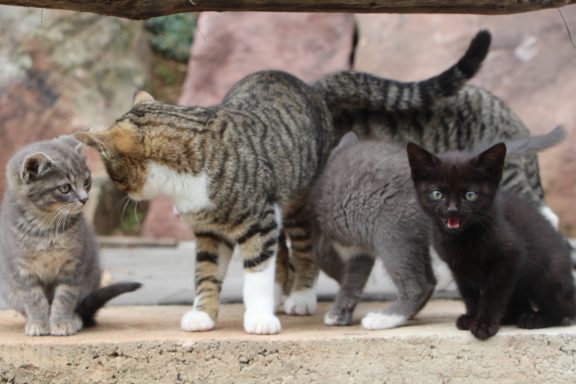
(453,222)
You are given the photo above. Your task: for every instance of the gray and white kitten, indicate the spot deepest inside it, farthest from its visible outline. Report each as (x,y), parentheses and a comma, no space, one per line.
(49,265)
(365,207)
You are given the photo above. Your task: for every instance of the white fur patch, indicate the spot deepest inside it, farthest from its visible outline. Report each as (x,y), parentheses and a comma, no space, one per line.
(329,319)
(550,216)
(189,193)
(375,320)
(196,321)
(301,303)
(259,300)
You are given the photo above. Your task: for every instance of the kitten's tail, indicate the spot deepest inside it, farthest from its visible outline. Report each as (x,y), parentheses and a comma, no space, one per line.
(93,302)
(361,90)
(533,144)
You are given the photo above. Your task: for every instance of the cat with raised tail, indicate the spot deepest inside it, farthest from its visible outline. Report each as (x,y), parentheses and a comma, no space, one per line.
(49,264)
(240,170)
(510,265)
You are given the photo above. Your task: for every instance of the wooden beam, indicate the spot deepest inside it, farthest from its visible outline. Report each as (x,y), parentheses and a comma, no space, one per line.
(144,9)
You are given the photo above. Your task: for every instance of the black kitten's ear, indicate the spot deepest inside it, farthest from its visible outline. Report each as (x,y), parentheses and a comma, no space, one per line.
(35,165)
(492,160)
(420,160)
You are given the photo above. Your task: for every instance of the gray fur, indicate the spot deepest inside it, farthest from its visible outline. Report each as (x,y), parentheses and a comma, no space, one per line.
(364,205)
(48,255)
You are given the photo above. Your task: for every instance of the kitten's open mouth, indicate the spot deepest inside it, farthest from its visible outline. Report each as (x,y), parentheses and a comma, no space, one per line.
(452,222)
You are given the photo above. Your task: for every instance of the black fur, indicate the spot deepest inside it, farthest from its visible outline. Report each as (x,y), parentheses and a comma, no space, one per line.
(93,302)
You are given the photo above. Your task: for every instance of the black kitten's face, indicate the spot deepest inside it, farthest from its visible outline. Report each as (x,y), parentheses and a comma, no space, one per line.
(456,190)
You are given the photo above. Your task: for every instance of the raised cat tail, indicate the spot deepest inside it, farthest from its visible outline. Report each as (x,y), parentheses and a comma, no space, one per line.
(349,90)
(533,144)
(93,302)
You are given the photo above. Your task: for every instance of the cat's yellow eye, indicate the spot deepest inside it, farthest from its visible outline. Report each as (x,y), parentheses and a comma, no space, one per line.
(66,188)
(436,195)
(471,196)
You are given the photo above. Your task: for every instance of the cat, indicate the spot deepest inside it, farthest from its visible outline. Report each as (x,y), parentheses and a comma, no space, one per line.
(510,265)
(49,265)
(365,208)
(230,167)
(456,120)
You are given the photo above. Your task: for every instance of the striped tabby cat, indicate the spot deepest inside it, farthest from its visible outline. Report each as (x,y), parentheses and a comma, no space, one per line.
(462,120)
(229,167)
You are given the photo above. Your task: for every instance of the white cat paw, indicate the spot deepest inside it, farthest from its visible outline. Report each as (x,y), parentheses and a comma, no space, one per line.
(382,321)
(196,321)
(261,324)
(301,303)
(65,327)
(37,328)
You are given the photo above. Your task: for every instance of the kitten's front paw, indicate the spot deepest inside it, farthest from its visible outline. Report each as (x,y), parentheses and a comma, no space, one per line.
(484,329)
(341,318)
(261,324)
(301,303)
(65,326)
(375,321)
(37,328)
(463,322)
(196,321)
(530,320)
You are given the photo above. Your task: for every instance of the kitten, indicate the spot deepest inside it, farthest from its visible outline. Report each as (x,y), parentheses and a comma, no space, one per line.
(510,265)
(453,117)
(49,267)
(228,167)
(365,207)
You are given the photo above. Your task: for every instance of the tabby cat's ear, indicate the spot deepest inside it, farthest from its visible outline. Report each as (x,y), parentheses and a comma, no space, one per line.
(141,97)
(35,165)
(421,161)
(492,160)
(91,139)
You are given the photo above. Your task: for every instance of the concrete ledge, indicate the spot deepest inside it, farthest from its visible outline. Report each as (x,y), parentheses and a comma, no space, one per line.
(141,344)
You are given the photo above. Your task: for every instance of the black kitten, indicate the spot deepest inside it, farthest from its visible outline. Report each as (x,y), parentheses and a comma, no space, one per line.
(510,265)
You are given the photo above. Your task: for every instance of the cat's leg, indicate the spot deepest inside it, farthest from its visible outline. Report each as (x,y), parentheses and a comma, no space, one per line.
(258,247)
(410,269)
(471,298)
(36,309)
(354,276)
(64,321)
(213,253)
(284,276)
(302,299)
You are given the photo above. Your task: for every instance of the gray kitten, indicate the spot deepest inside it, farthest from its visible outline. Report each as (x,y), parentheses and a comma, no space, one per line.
(365,207)
(49,265)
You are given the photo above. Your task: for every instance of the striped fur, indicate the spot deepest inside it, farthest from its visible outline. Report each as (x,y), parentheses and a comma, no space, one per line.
(226,168)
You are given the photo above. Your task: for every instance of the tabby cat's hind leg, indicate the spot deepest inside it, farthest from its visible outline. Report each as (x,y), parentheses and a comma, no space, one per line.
(258,247)
(302,298)
(213,254)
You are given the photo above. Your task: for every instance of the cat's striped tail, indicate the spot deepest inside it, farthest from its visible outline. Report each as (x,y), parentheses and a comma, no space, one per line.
(93,302)
(350,90)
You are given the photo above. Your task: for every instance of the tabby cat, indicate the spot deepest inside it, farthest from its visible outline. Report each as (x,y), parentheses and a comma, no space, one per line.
(510,265)
(464,117)
(230,167)
(49,266)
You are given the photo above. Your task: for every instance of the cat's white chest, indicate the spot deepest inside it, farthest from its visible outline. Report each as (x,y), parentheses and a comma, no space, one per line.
(188,192)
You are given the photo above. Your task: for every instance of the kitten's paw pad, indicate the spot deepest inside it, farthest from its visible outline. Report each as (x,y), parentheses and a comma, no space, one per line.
(342,318)
(196,321)
(463,322)
(37,328)
(530,320)
(261,324)
(301,303)
(383,321)
(65,327)
(484,329)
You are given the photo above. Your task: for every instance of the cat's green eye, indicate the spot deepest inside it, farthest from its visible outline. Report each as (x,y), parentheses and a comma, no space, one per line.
(436,195)
(471,196)
(66,188)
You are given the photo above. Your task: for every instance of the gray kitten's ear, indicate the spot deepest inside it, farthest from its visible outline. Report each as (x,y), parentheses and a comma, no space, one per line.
(141,97)
(348,139)
(35,165)
(72,142)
